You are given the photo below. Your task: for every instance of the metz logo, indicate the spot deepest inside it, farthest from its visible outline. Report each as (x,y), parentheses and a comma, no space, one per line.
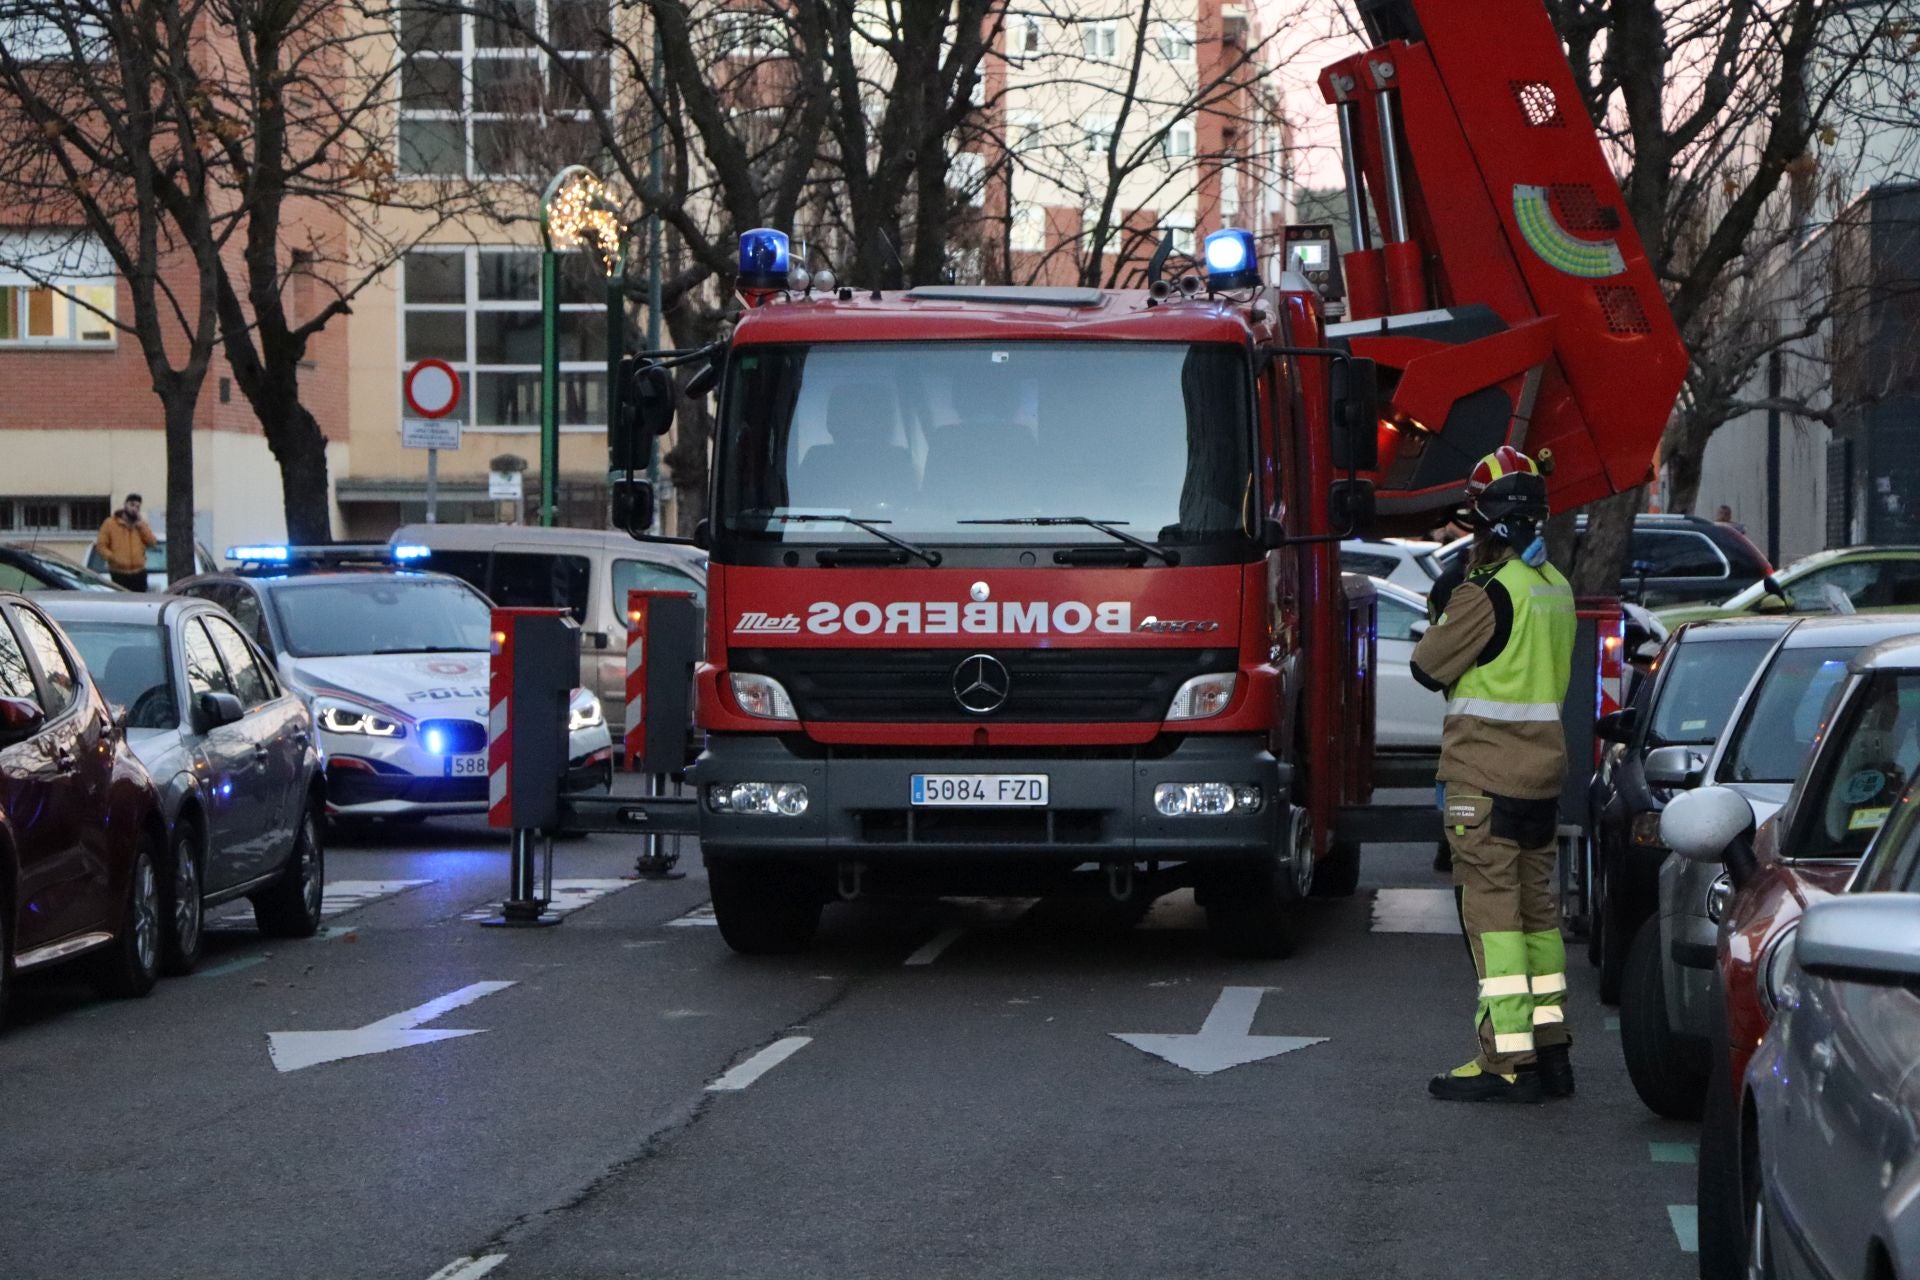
(767,624)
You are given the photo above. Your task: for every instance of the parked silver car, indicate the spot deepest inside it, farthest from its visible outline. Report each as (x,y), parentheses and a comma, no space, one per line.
(1832,1143)
(231,750)
(1666,990)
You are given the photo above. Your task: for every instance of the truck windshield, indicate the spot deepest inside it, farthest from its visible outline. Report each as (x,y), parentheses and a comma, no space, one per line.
(1152,437)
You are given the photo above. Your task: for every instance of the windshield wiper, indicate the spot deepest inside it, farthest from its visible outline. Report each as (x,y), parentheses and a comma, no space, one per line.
(870,526)
(429,648)
(1104,526)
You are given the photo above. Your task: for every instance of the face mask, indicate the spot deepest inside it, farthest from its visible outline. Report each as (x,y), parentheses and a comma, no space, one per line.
(1536,553)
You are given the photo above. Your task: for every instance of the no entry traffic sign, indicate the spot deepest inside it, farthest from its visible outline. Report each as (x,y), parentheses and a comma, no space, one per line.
(432,388)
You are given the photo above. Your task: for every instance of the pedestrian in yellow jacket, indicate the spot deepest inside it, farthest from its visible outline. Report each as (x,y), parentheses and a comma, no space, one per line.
(123,541)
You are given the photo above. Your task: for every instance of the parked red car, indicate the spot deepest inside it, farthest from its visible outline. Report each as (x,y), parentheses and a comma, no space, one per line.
(82,842)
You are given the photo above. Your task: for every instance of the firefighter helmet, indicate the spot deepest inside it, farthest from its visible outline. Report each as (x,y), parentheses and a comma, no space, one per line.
(1507,484)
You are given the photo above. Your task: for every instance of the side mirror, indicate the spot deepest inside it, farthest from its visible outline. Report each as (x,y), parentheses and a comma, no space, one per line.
(1355,414)
(211,710)
(1675,768)
(1702,825)
(1771,585)
(1866,937)
(1618,726)
(632,504)
(703,534)
(1271,536)
(19,718)
(702,383)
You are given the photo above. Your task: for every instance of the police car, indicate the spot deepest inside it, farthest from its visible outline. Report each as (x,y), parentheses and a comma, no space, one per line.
(393,663)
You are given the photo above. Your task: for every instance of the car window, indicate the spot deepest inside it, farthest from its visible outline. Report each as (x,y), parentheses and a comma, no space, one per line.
(380,613)
(1866,584)
(1703,681)
(1893,859)
(1676,553)
(244,673)
(540,580)
(1873,759)
(239,600)
(14,578)
(61,680)
(129,663)
(1788,708)
(1371,563)
(16,678)
(650,575)
(468,566)
(204,672)
(1396,617)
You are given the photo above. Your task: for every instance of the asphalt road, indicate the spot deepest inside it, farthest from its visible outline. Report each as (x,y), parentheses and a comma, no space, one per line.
(933,1092)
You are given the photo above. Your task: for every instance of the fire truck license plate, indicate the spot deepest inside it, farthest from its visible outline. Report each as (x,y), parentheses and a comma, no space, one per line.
(474,766)
(985,790)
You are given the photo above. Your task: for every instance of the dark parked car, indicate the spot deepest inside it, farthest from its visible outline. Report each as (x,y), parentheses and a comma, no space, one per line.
(82,842)
(1685,703)
(1676,559)
(231,750)
(37,569)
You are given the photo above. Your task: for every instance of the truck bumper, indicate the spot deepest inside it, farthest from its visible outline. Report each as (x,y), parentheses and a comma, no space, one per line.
(1100,809)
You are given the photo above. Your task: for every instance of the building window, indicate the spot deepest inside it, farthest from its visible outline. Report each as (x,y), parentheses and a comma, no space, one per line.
(53,515)
(1024,132)
(1230,191)
(1028,232)
(479,98)
(1177,142)
(1100,40)
(1023,36)
(1175,40)
(1180,227)
(479,310)
(1099,136)
(56,289)
(967,177)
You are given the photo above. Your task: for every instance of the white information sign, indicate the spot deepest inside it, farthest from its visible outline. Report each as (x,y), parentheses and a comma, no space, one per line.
(430,433)
(505,486)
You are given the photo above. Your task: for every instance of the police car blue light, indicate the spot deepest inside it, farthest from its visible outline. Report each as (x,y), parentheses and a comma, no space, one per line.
(257,555)
(764,259)
(411,551)
(1233,260)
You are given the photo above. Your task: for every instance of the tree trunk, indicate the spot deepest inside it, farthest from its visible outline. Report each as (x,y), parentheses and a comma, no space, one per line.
(686,461)
(301,449)
(1607,547)
(177,404)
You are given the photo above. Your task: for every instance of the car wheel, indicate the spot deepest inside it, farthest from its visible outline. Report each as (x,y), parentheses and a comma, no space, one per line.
(290,906)
(1615,938)
(762,910)
(131,964)
(184,902)
(1723,1227)
(6,957)
(1662,1072)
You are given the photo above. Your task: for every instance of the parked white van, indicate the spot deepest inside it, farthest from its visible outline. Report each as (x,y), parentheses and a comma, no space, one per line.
(586,571)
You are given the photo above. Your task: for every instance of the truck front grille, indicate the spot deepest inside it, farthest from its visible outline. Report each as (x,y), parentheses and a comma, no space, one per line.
(897,686)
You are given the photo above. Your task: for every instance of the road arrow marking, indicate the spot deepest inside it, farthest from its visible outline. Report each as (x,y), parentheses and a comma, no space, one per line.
(1224,1040)
(292,1050)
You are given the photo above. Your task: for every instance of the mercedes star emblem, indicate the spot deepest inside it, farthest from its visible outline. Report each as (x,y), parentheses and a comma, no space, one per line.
(980,684)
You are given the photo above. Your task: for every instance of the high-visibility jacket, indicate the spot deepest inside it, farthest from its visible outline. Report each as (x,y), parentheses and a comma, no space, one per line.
(1526,677)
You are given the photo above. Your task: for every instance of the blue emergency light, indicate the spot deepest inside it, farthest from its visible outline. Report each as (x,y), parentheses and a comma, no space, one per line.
(258,555)
(764,259)
(1233,260)
(407,551)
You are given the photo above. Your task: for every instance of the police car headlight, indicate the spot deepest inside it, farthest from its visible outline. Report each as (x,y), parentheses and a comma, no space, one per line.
(761,696)
(1203,696)
(345,717)
(585,712)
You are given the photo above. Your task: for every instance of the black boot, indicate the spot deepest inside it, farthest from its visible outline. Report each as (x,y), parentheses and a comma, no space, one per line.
(1443,858)
(1471,1084)
(1553,1066)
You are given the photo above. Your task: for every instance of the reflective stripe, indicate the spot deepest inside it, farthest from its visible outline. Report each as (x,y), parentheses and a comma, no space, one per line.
(1545,1013)
(1547,984)
(1488,709)
(1515,985)
(1514,1042)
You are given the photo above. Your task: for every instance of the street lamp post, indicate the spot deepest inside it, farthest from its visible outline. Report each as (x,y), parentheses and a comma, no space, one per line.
(576,211)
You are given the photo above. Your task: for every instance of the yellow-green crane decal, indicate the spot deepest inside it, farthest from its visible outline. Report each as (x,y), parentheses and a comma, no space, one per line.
(1557,247)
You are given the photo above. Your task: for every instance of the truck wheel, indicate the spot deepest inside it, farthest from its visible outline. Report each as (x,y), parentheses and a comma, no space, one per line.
(1250,914)
(1659,1065)
(1339,873)
(1724,1231)
(761,911)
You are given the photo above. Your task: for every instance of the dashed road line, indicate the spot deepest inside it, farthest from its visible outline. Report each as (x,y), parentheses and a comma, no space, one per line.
(339,897)
(1686,1226)
(226,967)
(1611,1022)
(1415,911)
(738,1078)
(1674,1152)
(469,1268)
(940,942)
(568,897)
(699,917)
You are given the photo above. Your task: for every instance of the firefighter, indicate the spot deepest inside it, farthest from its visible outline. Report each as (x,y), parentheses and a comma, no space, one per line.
(1502,652)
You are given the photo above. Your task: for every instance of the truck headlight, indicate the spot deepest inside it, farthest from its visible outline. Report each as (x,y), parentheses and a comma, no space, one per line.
(761,696)
(1193,799)
(784,799)
(344,717)
(585,712)
(1203,696)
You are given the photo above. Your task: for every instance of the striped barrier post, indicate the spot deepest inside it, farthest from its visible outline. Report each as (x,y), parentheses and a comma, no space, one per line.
(500,720)
(635,737)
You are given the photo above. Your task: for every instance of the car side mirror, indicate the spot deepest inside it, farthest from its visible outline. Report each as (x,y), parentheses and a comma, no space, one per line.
(633,505)
(211,710)
(1702,825)
(703,534)
(1675,768)
(20,718)
(1355,414)
(1771,585)
(1868,937)
(1617,726)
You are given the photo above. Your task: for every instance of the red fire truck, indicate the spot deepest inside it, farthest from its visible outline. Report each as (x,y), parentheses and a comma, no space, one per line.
(1010,584)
